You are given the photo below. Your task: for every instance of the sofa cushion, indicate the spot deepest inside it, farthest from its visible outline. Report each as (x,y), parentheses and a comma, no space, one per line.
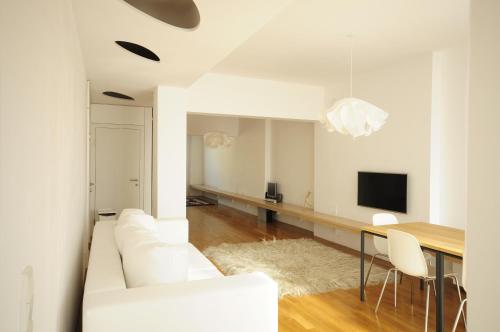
(131,235)
(143,220)
(154,262)
(135,228)
(126,212)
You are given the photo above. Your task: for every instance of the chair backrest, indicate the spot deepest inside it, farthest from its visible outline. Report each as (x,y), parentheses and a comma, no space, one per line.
(405,253)
(380,219)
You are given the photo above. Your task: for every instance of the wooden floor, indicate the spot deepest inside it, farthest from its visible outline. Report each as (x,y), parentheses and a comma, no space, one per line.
(339,310)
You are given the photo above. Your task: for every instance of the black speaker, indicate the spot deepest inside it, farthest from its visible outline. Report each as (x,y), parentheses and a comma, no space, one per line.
(275,199)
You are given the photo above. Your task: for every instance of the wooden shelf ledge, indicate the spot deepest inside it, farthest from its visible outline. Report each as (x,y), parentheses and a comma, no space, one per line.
(291,210)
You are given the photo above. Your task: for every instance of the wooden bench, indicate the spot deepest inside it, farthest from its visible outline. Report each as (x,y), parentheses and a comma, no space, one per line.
(291,210)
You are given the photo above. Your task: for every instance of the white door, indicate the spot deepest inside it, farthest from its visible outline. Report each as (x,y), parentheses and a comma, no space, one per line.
(118,167)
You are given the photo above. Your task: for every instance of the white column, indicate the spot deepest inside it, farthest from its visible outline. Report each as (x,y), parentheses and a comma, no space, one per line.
(169,150)
(483,224)
(448,172)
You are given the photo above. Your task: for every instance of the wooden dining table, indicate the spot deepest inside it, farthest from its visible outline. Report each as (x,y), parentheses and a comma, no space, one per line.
(442,240)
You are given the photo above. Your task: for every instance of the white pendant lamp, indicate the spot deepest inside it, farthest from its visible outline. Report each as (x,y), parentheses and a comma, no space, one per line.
(216,140)
(353,116)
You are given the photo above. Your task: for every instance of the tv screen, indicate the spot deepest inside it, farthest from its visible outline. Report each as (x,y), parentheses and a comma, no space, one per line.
(382,190)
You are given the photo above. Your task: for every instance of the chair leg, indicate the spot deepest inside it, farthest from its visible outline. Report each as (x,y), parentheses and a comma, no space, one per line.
(460,309)
(434,286)
(411,291)
(395,287)
(427,306)
(370,269)
(460,298)
(383,289)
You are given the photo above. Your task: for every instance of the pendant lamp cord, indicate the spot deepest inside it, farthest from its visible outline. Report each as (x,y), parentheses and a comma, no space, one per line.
(350,37)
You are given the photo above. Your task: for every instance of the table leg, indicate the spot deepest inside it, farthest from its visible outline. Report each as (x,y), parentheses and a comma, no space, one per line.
(265,216)
(362,269)
(439,292)
(269,215)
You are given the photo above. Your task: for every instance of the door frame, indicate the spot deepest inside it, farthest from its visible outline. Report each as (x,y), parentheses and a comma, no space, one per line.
(125,117)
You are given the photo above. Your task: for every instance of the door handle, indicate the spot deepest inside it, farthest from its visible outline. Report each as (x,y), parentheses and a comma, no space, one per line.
(134,180)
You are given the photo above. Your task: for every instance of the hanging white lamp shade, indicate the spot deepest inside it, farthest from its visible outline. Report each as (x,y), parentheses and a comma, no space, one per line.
(215,140)
(353,116)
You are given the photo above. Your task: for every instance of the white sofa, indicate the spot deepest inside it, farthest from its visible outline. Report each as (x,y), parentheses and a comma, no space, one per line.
(208,301)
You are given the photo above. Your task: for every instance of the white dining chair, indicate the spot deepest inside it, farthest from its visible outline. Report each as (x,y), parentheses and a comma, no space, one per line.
(462,302)
(381,219)
(407,256)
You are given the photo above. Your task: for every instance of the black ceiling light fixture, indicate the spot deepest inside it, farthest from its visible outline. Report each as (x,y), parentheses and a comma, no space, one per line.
(117,95)
(180,13)
(139,50)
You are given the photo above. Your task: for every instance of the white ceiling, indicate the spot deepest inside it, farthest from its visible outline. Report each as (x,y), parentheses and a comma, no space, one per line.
(301,40)
(185,54)
(308,43)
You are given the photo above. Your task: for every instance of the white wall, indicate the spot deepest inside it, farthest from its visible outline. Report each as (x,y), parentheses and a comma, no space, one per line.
(239,168)
(251,97)
(195,159)
(199,125)
(42,163)
(401,146)
(118,114)
(483,225)
(292,163)
(448,196)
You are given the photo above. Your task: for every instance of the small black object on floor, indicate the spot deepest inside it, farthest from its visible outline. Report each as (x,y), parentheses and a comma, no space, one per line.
(199,201)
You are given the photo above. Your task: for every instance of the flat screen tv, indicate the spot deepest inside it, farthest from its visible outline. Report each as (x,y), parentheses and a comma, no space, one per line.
(382,190)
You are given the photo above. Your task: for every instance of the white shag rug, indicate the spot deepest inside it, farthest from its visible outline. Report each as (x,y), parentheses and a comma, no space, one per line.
(300,267)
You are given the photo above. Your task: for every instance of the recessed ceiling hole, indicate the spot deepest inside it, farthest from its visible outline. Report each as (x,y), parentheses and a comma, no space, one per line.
(139,50)
(117,95)
(179,13)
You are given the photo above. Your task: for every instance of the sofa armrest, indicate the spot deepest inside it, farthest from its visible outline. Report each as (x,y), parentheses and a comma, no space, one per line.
(175,231)
(243,303)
